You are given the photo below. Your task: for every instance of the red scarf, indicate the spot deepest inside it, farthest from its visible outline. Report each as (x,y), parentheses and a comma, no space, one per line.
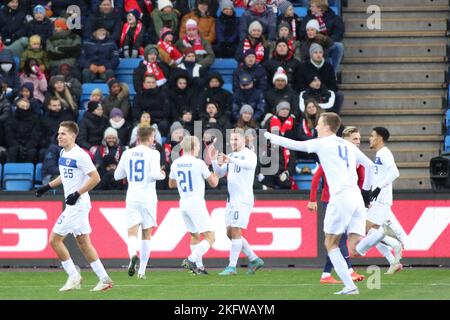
(130,5)
(126,27)
(259,49)
(287,125)
(306,129)
(149,6)
(153,68)
(171,50)
(198,48)
(322,25)
(104,150)
(168,151)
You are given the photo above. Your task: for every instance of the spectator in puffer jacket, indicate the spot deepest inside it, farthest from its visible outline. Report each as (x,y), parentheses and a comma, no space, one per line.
(150,65)
(283,57)
(99,56)
(12,25)
(118,97)
(92,128)
(257,71)
(288,16)
(246,94)
(214,92)
(9,74)
(227,31)
(35,51)
(319,92)
(26,93)
(107,16)
(205,22)
(259,11)
(253,40)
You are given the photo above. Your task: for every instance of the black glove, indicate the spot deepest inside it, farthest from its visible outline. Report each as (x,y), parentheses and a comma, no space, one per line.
(374,194)
(366,194)
(72,198)
(40,191)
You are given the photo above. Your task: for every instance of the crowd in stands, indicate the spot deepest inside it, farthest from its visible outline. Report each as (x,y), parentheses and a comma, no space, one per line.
(286,75)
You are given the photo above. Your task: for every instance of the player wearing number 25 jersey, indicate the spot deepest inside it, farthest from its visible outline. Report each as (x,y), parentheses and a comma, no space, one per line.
(141,167)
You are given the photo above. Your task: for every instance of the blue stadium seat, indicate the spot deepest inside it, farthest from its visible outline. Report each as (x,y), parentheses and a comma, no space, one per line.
(1,175)
(303,181)
(38,175)
(124,71)
(447,119)
(228,86)
(87,89)
(225,67)
(80,117)
(447,144)
(18,176)
(132,91)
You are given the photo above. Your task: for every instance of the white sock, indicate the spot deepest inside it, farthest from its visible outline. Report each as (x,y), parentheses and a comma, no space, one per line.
(199,261)
(325,275)
(247,250)
(99,270)
(70,269)
(199,251)
(236,247)
(146,247)
(373,237)
(386,252)
(351,270)
(391,242)
(339,264)
(132,246)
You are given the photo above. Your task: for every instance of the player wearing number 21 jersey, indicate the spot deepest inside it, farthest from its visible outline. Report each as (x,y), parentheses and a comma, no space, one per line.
(141,167)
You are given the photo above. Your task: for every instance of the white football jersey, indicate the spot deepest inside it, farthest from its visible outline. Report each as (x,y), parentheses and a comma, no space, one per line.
(141,166)
(339,159)
(190,174)
(240,176)
(384,168)
(74,167)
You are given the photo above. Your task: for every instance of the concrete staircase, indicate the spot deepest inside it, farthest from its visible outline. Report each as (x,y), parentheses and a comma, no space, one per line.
(396,77)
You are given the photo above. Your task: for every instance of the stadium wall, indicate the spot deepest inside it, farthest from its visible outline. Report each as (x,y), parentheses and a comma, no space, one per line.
(281,230)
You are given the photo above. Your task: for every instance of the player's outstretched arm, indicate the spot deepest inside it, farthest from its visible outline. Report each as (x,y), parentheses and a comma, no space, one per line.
(285,142)
(51,185)
(220,170)
(172,183)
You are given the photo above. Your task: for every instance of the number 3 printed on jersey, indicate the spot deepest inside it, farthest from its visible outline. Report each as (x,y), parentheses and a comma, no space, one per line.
(343,153)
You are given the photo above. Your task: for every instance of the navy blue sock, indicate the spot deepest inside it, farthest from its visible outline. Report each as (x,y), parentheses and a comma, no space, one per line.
(344,249)
(328,265)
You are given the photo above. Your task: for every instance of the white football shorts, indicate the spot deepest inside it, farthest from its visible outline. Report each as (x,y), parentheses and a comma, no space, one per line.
(142,213)
(378,213)
(237,214)
(195,215)
(74,219)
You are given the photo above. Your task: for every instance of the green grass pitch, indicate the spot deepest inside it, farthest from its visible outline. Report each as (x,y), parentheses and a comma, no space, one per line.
(174,284)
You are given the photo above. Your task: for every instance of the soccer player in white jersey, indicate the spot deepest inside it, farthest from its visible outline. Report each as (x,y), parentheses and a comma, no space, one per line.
(383,175)
(240,168)
(345,211)
(78,176)
(141,166)
(188,174)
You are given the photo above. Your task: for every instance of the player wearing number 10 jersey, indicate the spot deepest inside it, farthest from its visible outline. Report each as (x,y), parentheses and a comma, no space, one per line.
(141,166)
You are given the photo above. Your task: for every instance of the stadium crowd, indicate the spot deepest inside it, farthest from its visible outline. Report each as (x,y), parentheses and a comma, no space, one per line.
(286,76)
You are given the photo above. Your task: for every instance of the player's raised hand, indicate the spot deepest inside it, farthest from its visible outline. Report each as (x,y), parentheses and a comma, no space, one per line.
(226,159)
(312,206)
(220,159)
(40,191)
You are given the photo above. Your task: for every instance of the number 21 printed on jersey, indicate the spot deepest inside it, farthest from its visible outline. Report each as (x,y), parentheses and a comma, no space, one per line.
(183,181)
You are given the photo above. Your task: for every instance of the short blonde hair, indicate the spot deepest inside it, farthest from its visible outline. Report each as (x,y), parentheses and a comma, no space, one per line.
(322,4)
(348,131)
(190,143)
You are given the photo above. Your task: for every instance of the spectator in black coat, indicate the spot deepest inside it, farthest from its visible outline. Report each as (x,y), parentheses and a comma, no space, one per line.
(99,56)
(257,71)
(23,133)
(40,25)
(215,93)
(9,74)
(227,34)
(320,93)
(118,122)
(154,100)
(214,118)
(12,25)
(106,171)
(150,65)
(92,128)
(107,16)
(181,95)
(110,145)
(26,92)
(50,164)
(287,15)
(246,94)
(283,57)
(61,90)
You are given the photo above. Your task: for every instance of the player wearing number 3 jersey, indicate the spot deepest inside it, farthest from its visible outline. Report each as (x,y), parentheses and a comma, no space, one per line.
(239,166)
(141,167)
(345,211)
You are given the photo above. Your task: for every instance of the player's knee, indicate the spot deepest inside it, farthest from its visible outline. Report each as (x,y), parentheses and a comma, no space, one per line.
(55,242)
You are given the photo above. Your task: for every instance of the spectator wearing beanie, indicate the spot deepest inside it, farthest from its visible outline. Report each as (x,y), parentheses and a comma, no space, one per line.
(35,51)
(106,172)
(284,32)
(288,16)
(181,94)
(214,92)
(99,56)
(195,70)
(165,16)
(256,70)
(92,127)
(247,94)
(39,25)
(150,65)
(63,46)
(9,74)
(259,11)
(281,92)
(111,145)
(205,22)
(246,120)
(253,40)
(213,117)
(313,35)
(118,122)
(318,92)
(331,25)
(12,26)
(168,53)
(132,36)
(283,57)
(204,53)
(118,97)
(227,31)
(27,92)
(106,16)
(72,78)
(60,89)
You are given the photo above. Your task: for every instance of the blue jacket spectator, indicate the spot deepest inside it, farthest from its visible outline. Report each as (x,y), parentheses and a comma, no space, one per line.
(39,25)
(9,74)
(257,71)
(12,20)
(227,35)
(246,94)
(107,16)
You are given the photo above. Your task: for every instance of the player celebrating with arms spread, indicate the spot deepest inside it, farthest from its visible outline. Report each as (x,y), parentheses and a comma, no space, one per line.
(240,168)
(141,166)
(78,176)
(189,173)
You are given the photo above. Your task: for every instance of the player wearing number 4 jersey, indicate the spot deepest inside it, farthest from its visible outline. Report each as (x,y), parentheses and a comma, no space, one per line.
(78,176)
(188,174)
(239,166)
(141,167)
(345,211)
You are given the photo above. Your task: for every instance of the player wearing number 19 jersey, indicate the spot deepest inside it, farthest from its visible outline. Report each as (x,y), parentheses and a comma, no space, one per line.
(239,166)
(141,167)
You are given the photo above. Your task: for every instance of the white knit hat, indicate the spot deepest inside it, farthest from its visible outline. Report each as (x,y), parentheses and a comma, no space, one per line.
(280,74)
(255,25)
(191,23)
(164,3)
(313,24)
(110,132)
